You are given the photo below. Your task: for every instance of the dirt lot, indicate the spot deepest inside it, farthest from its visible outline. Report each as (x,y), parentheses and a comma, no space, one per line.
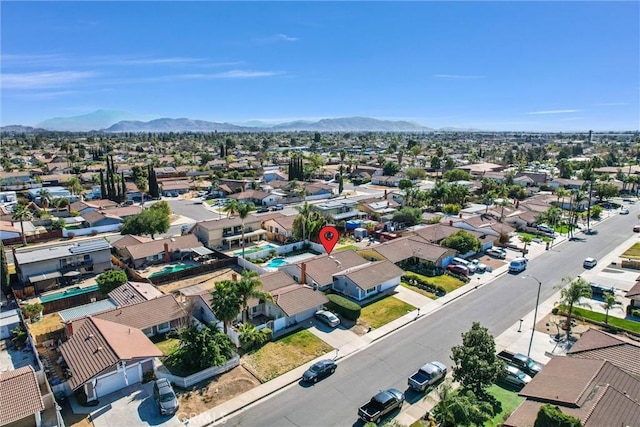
(207,281)
(210,394)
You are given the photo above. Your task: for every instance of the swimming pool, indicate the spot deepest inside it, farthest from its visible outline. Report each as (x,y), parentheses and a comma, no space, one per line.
(255,249)
(171,269)
(70,292)
(276,262)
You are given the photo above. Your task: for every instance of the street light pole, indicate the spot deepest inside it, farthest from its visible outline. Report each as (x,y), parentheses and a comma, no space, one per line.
(535,313)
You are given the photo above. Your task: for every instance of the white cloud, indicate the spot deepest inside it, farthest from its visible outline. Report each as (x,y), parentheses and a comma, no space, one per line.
(43,79)
(458,77)
(553,112)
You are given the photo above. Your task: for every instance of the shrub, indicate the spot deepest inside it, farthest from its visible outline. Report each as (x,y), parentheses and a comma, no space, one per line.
(418,282)
(452,209)
(633,311)
(346,308)
(32,310)
(71,235)
(148,376)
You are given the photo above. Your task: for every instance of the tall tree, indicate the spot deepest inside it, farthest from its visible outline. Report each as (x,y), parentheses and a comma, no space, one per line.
(571,294)
(103,187)
(476,364)
(250,286)
(5,279)
(225,302)
(22,213)
(231,208)
(243,211)
(45,198)
(610,302)
(304,212)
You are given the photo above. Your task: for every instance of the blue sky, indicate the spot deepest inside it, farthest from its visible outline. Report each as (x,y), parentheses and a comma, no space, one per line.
(556,66)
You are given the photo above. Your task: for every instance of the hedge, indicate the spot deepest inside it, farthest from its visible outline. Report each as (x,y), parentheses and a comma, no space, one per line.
(346,308)
(418,282)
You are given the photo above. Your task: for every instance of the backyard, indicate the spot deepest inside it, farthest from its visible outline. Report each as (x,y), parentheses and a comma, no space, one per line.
(508,400)
(47,327)
(287,353)
(383,311)
(166,344)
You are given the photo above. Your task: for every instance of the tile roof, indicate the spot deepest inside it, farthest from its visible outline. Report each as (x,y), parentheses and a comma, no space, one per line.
(370,275)
(154,247)
(19,395)
(596,392)
(133,293)
(322,268)
(130,240)
(97,345)
(294,299)
(438,232)
(147,313)
(413,246)
(596,344)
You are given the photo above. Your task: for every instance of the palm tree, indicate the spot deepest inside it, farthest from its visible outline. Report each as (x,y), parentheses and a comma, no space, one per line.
(225,302)
(231,207)
(22,213)
(305,213)
(610,302)
(249,287)
(243,211)
(572,294)
(45,198)
(526,240)
(75,185)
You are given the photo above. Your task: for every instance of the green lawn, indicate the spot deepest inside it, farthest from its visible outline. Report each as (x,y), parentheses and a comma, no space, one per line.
(449,283)
(384,311)
(613,321)
(165,344)
(287,353)
(509,400)
(345,247)
(418,290)
(533,236)
(633,252)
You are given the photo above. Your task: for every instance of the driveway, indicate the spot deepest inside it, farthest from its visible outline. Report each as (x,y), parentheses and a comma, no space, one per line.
(335,337)
(131,406)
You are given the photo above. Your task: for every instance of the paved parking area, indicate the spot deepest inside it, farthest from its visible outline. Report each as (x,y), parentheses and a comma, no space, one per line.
(335,337)
(131,406)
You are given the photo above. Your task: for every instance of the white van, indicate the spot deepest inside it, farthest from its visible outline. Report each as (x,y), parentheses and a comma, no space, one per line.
(463,262)
(518,265)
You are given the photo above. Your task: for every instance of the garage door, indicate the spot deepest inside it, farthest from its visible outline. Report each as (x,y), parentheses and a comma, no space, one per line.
(115,381)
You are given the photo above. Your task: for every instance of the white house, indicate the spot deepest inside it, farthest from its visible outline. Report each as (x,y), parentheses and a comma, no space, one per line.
(367,280)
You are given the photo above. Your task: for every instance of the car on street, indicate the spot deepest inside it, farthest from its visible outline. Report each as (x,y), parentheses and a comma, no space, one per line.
(589,262)
(327,318)
(380,405)
(319,370)
(497,253)
(277,207)
(165,397)
(624,211)
(636,228)
(262,210)
(517,265)
(515,376)
(458,269)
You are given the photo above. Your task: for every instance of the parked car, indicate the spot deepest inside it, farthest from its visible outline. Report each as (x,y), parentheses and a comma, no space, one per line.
(380,405)
(589,262)
(624,211)
(497,253)
(277,207)
(165,397)
(428,374)
(319,370)
(458,269)
(480,267)
(518,265)
(262,210)
(516,377)
(522,362)
(327,318)
(636,228)
(546,229)
(465,263)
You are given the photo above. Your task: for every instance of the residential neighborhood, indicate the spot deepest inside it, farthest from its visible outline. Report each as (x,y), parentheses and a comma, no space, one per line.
(206,268)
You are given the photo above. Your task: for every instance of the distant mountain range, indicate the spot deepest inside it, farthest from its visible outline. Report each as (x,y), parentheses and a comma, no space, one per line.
(122,121)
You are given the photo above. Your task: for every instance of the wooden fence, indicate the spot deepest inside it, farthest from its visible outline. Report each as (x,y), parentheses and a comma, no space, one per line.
(195,271)
(33,238)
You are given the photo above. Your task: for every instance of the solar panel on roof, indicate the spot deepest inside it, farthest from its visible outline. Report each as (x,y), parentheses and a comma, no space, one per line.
(89,246)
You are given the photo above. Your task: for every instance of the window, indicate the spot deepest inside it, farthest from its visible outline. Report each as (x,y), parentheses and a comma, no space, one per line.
(148,331)
(371,290)
(164,326)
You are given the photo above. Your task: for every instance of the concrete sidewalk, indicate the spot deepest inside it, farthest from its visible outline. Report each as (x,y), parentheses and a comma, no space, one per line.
(515,339)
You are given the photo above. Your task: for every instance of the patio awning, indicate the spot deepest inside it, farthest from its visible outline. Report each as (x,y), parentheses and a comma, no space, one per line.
(201,250)
(43,277)
(247,235)
(72,274)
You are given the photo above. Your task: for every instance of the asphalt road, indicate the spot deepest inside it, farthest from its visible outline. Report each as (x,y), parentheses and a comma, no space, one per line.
(388,363)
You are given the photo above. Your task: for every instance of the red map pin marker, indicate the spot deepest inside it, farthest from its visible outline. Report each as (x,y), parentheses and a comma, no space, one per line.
(329,237)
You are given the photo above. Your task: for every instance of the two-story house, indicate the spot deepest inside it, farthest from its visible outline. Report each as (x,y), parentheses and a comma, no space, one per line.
(339,210)
(227,232)
(42,267)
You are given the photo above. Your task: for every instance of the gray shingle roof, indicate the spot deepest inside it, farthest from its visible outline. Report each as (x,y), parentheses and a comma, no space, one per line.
(61,251)
(146,314)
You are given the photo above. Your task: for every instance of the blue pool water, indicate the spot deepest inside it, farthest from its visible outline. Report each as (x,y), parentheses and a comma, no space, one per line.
(276,262)
(171,269)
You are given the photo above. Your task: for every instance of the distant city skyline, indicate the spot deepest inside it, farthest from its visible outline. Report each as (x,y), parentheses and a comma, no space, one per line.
(503,66)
